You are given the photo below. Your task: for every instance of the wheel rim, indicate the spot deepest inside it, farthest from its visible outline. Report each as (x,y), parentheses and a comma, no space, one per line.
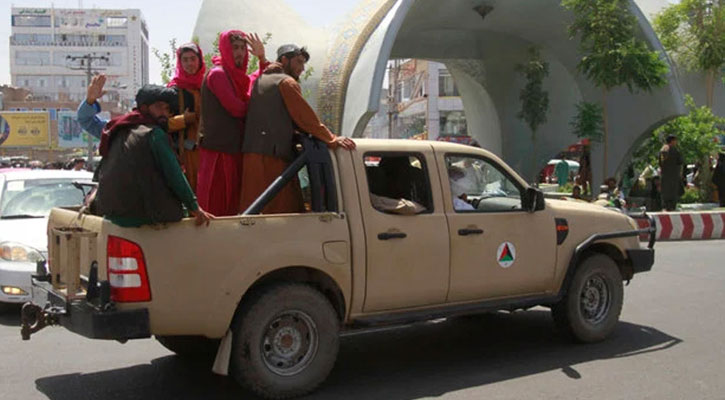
(595,299)
(289,343)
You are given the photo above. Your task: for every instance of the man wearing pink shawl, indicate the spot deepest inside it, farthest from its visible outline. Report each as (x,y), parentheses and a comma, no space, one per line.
(225,93)
(184,128)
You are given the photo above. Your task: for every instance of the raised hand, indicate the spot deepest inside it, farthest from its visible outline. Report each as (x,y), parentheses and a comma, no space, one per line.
(256,46)
(95,88)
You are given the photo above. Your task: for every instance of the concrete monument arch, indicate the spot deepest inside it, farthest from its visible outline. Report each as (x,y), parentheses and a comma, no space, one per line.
(480,42)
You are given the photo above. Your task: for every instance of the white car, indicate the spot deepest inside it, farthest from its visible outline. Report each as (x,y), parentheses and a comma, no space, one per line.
(26,197)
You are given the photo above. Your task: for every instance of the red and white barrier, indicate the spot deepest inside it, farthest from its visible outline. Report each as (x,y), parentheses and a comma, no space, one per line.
(687,226)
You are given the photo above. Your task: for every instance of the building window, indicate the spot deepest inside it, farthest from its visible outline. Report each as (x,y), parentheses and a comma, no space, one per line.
(32,58)
(116,22)
(453,123)
(115,40)
(31,38)
(446,84)
(31,20)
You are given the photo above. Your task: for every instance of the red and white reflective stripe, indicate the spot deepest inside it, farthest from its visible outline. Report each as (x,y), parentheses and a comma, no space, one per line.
(687,226)
(122,264)
(124,280)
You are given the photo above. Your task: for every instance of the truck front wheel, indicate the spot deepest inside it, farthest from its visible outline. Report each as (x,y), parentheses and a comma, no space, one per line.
(285,341)
(590,310)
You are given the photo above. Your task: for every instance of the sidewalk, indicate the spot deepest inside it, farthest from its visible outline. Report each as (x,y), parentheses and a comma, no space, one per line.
(687,225)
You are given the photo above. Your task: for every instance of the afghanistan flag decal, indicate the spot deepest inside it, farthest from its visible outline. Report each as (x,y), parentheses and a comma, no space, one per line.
(506,254)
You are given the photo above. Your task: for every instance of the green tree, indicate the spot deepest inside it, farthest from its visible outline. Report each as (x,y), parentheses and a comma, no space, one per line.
(696,136)
(693,32)
(612,55)
(534,99)
(587,123)
(167,60)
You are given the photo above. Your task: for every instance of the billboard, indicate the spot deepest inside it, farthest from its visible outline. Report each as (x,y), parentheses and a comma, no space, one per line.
(70,133)
(24,129)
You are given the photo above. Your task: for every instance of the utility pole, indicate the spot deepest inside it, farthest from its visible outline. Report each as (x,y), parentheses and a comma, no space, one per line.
(85,63)
(393,96)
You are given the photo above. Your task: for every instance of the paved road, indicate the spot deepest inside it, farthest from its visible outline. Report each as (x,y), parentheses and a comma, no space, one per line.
(669,345)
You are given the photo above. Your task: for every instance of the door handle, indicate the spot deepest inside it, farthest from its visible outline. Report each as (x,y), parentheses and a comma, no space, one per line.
(470,231)
(391,235)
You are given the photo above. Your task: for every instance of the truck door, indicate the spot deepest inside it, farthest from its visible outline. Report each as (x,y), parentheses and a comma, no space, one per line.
(497,249)
(405,230)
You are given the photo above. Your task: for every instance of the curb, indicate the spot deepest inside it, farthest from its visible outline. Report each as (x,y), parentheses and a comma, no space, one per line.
(686,225)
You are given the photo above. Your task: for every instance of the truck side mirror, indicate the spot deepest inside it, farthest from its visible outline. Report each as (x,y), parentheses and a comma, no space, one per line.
(533,200)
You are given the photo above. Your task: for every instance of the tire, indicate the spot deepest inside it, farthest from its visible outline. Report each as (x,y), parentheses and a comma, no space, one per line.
(198,348)
(289,318)
(10,308)
(590,310)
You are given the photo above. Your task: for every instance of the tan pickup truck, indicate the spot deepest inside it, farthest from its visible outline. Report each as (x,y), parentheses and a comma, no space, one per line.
(397,231)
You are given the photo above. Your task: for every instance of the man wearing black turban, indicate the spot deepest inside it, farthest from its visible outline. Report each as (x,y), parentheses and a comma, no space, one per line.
(140,181)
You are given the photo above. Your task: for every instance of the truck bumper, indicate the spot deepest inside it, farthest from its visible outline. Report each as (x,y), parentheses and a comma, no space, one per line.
(81,317)
(641,259)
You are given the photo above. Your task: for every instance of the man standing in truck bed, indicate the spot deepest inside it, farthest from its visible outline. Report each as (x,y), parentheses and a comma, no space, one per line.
(140,181)
(276,110)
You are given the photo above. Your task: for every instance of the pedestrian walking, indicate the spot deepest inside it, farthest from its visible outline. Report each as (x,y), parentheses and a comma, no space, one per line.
(670,161)
(718,178)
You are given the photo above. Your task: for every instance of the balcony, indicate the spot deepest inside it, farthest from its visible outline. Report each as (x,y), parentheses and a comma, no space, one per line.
(65,43)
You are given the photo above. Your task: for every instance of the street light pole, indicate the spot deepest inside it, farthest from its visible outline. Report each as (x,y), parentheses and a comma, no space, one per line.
(86,64)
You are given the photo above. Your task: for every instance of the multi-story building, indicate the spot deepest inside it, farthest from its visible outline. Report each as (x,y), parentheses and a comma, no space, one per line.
(48,47)
(421,100)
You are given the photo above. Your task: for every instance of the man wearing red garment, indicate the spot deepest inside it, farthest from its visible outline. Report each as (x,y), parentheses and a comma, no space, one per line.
(224,100)
(276,112)
(184,128)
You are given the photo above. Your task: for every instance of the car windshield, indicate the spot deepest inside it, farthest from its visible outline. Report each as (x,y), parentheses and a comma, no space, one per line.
(33,198)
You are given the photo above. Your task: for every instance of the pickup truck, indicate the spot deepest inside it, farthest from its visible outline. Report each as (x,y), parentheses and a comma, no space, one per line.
(396,231)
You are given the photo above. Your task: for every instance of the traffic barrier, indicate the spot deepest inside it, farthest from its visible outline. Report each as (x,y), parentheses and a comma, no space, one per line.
(686,225)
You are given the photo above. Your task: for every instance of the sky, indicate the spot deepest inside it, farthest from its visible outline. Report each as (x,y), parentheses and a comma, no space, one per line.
(164,22)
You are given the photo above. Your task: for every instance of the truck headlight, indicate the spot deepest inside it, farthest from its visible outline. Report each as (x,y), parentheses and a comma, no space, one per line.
(10,251)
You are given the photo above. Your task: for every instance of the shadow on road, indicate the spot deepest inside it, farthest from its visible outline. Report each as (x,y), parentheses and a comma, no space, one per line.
(407,363)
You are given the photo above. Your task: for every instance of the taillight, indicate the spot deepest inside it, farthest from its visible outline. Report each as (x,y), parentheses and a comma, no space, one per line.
(127,271)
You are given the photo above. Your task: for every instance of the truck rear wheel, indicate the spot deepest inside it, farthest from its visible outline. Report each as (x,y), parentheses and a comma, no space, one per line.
(590,310)
(285,341)
(191,347)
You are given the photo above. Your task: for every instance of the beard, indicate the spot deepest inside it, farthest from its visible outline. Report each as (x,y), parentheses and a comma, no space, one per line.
(163,122)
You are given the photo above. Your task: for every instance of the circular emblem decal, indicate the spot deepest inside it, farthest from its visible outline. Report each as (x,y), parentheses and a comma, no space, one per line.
(506,254)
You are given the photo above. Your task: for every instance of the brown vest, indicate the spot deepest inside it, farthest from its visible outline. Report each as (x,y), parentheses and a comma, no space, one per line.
(269,128)
(130,184)
(218,130)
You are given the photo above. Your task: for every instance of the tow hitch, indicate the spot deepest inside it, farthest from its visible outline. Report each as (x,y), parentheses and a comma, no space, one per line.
(33,318)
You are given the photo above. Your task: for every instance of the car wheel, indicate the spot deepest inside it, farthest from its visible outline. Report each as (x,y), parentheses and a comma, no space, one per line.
(191,347)
(590,310)
(6,308)
(285,341)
